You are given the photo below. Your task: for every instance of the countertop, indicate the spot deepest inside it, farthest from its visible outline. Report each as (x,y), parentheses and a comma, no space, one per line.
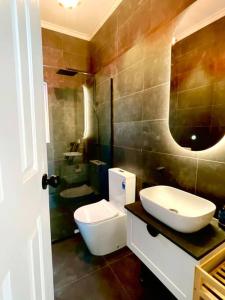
(196,244)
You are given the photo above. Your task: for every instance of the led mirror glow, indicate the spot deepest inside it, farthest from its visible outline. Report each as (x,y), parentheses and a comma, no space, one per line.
(87,112)
(68,3)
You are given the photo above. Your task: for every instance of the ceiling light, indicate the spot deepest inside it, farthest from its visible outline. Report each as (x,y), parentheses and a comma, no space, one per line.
(68,3)
(174,40)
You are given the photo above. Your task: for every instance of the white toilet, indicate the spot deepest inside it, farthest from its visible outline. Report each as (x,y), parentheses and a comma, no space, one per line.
(103,224)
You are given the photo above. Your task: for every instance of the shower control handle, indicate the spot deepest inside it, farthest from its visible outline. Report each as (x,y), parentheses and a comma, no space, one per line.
(53,181)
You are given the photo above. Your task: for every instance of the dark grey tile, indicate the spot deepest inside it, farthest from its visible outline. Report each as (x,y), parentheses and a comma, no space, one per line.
(165,10)
(72,260)
(157,68)
(128,108)
(105,134)
(104,114)
(103,91)
(128,134)
(128,271)
(117,255)
(129,81)
(211,181)
(216,153)
(62,223)
(155,103)
(155,136)
(128,159)
(170,170)
(130,57)
(100,285)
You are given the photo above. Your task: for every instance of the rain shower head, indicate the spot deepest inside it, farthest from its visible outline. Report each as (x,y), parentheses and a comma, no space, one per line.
(72,72)
(67,72)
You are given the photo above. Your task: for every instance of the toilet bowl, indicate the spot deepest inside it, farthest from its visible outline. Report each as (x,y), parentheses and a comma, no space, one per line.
(102,227)
(103,224)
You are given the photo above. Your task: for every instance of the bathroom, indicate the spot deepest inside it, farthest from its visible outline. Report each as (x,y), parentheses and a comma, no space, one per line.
(127,72)
(112,162)
(131,86)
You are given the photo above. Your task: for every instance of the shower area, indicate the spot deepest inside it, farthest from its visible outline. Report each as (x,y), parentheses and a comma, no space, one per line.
(79,146)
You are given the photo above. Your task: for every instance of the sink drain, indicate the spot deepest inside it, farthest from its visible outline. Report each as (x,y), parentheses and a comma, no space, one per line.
(173,210)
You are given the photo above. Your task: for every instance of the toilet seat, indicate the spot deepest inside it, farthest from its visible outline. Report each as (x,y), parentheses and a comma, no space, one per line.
(96,212)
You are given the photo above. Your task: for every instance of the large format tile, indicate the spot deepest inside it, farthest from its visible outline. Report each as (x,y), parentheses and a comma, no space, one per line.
(129,81)
(127,36)
(117,255)
(128,108)
(156,136)
(156,102)
(101,285)
(214,174)
(103,91)
(128,271)
(169,170)
(163,11)
(128,134)
(72,260)
(51,38)
(157,68)
(128,159)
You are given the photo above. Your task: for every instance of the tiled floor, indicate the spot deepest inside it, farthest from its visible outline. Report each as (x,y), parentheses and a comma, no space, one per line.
(78,275)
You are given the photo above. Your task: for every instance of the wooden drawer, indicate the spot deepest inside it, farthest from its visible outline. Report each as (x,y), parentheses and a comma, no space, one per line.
(173,266)
(210,278)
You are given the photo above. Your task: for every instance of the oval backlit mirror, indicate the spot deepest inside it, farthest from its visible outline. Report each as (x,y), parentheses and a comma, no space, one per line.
(197,95)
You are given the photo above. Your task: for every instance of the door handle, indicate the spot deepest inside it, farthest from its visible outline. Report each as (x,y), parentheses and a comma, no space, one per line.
(152,231)
(53,181)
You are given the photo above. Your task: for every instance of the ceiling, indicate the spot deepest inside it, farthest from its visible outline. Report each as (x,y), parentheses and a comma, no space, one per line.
(82,21)
(198,15)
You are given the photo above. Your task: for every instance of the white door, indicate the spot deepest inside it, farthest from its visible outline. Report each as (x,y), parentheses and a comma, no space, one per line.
(25,249)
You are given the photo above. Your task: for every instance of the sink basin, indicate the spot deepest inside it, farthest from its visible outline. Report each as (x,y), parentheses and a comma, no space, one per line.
(72,154)
(177,209)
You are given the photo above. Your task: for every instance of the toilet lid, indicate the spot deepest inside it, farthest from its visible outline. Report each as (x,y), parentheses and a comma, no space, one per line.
(96,212)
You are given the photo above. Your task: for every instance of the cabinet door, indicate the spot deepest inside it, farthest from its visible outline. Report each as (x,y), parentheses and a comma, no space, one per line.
(174,267)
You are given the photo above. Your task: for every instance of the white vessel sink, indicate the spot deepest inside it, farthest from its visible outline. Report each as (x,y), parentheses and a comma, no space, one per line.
(177,209)
(72,154)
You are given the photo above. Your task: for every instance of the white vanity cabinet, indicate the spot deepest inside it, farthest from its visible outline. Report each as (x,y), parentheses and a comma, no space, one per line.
(172,265)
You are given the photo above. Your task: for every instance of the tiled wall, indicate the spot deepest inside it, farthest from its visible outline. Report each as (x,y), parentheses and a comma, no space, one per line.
(64,51)
(65,97)
(142,140)
(128,24)
(197,106)
(66,119)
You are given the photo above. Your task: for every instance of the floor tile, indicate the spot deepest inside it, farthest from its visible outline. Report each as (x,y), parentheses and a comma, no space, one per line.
(101,285)
(128,271)
(112,257)
(72,260)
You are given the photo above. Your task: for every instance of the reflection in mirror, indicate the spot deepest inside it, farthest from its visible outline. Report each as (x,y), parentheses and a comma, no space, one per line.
(197,97)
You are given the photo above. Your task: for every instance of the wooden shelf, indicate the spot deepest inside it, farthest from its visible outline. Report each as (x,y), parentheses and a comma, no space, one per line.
(210,278)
